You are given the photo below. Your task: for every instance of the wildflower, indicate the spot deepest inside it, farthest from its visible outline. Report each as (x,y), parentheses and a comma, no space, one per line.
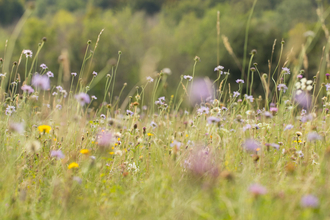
(257,189)
(273,109)
(200,91)
(236,94)
(288,127)
(44,129)
(176,144)
(73,74)
(94,74)
(57,153)
(77,179)
(93,97)
(59,107)
(246,127)
(306,118)
(313,136)
(268,114)
(149,79)
(298,133)
(213,120)
(251,145)
(103,116)
(150,134)
(303,99)
(300,153)
(218,68)
(118,152)
(10,109)
(129,112)
(34,97)
(281,87)
(153,124)
(16,127)
(43,66)
(203,110)
(327,86)
(28,53)
(50,74)
(73,165)
(27,89)
(33,147)
(105,139)
(188,77)
(276,146)
(59,88)
(285,70)
(40,82)
(167,71)
(309,201)
(83,98)
(239,81)
(84,151)
(249,97)
(54,93)
(132,167)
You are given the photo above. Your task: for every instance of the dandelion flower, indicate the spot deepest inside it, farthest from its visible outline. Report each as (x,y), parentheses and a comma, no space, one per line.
(73,165)
(84,151)
(44,128)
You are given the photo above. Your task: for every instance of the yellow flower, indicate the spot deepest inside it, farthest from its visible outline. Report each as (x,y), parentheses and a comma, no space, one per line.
(44,128)
(149,134)
(73,165)
(84,151)
(111,153)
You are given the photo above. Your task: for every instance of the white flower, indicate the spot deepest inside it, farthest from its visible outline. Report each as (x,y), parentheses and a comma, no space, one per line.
(303,80)
(309,82)
(167,71)
(28,53)
(297,85)
(309,88)
(149,79)
(298,92)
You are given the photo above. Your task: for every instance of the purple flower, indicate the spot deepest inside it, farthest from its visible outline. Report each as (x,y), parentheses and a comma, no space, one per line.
(300,76)
(105,139)
(288,127)
(57,153)
(17,127)
(82,98)
(103,116)
(77,179)
(43,66)
(309,201)
(304,100)
(236,94)
(129,112)
(247,127)
(28,53)
(257,189)
(94,74)
(59,107)
(218,68)
(249,97)
(149,79)
(153,124)
(50,74)
(200,91)
(203,110)
(27,89)
(40,82)
(73,74)
(273,109)
(213,120)
(188,77)
(327,86)
(251,145)
(313,136)
(93,97)
(268,114)
(306,118)
(281,87)
(10,110)
(285,70)
(239,81)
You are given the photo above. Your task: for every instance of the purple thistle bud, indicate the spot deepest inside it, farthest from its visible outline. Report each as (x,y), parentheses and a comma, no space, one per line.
(300,76)
(327,75)
(41,81)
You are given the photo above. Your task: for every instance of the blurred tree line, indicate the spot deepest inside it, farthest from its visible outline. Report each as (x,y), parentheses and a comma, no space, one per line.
(153,34)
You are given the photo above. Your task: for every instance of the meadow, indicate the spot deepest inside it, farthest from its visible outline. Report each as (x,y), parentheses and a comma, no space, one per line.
(207,151)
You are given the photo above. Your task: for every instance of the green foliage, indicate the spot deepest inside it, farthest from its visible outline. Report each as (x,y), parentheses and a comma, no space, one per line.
(10,11)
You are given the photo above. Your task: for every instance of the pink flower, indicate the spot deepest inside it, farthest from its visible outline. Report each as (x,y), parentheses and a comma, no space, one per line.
(257,189)
(41,82)
(83,98)
(27,89)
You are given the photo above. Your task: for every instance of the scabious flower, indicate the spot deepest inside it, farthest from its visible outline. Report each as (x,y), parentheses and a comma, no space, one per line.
(82,98)
(188,77)
(251,145)
(203,110)
(309,201)
(313,136)
(200,91)
(73,74)
(257,189)
(58,106)
(50,74)
(129,112)
(149,79)
(57,153)
(247,127)
(160,101)
(213,120)
(249,97)
(28,53)
(10,110)
(303,99)
(153,124)
(93,97)
(105,139)
(281,87)
(94,74)
(27,89)
(327,86)
(43,66)
(288,127)
(239,81)
(218,68)
(236,94)
(285,70)
(103,116)
(41,81)
(44,129)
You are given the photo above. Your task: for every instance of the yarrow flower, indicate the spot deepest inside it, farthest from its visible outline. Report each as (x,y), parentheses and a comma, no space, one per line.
(27,89)
(82,98)
(41,81)
(28,53)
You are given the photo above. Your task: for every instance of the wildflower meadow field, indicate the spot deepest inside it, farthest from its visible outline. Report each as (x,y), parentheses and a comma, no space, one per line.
(212,148)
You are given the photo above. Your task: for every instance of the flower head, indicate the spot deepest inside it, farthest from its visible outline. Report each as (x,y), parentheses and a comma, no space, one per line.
(257,189)
(309,201)
(43,66)
(313,136)
(239,81)
(188,77)
(33,147)
(73,165)
(44,129)
(73,74)
(82,98)
(200,91)
(285,70)
(41,81)
(94,73)
(57,153)
(17,127)
(28,53)
(27,89)
(105,139)
(149,79)
(50,74)
(218,68)
(281,87)
(236,94)
(251,145)
(84,151)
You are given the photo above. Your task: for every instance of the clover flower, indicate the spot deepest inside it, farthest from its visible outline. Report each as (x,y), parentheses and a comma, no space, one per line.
(82,98)
(40,82)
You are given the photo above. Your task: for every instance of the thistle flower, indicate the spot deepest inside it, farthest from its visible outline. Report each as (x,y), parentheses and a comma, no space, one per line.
(57,153)
(82,98)
(257,189)
(309,201)
(40,82)
(27,89)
